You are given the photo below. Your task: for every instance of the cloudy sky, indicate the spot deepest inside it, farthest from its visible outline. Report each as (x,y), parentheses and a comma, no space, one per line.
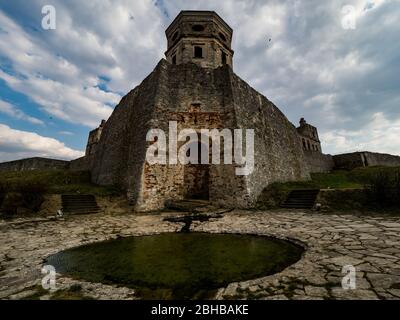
(336,66)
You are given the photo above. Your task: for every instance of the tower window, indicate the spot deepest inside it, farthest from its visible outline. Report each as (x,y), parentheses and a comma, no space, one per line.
(175,36)
(174,60)
(223,58)
(221,35)
(198,28)
(198,52)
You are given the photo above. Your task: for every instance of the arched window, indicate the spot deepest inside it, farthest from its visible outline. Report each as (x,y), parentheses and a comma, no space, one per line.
(223,58)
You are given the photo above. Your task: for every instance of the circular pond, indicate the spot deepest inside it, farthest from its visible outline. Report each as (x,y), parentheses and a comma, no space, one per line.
(177,265)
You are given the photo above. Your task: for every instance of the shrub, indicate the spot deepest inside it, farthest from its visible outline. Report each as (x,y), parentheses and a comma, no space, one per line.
(11,202)
(3,190)
(32,194)
(272,196)
(383,189)
(397,187)
(24,197)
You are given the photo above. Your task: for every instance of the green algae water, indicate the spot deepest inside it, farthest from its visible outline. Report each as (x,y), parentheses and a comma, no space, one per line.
(177,265)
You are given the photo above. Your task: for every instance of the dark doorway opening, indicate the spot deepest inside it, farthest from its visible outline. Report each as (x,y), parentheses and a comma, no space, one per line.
(196,177)
(198,52)
(223,58)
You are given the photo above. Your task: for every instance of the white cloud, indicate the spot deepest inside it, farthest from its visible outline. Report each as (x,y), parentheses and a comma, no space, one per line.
(66,133)
(60,87)
(379,135)
(337,79)
(12,111)
(16,144)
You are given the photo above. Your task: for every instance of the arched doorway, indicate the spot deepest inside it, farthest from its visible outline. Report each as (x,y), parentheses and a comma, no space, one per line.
(196,176)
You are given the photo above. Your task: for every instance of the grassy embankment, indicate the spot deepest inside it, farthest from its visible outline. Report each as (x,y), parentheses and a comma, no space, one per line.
(24,192)
(340,179)
(53,182)
(377,187)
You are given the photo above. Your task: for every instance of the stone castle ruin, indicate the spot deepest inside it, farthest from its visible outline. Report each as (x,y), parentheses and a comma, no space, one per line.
(196,87)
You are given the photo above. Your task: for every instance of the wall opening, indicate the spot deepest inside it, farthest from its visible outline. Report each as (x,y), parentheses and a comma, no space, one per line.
(222,36)
(175,36)
(196,177)
(198,28)
(198,52)
(223,58)
(174,60)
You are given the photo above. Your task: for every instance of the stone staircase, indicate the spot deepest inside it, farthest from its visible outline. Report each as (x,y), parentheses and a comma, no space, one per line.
(301,199)
(79,204)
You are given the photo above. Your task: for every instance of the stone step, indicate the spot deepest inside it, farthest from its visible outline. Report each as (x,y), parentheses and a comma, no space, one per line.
(78,212)
(301,199)
(291,201)
(93,203)
(79,204)
(80,198)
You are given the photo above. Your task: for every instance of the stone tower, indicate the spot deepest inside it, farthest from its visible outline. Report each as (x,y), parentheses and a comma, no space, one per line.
(309,136)
(195,88)
(201,37)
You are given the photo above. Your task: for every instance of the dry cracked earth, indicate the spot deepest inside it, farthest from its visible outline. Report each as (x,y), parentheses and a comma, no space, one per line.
(370,243)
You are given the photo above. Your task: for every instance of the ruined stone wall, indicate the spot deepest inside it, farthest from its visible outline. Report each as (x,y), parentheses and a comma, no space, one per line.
(196,98)
(348,161)
(381,159)
(94,137)
(365,159)
(278,153)
(318,162)
(121,150)
(82,164)
(34,164)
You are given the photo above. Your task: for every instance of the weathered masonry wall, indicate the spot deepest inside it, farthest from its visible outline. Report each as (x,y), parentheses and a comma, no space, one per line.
(365,159)
(196,98)
(381,159)
(82,164)
(348,161)
(278,152)
(318,162)
(94,137)
(34,164)
(121,150)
